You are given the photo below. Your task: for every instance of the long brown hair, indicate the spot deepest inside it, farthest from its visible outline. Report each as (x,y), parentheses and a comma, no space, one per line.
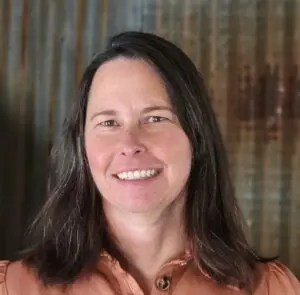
(69,232)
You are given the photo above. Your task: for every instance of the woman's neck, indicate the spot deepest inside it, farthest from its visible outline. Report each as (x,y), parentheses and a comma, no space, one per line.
(147,241)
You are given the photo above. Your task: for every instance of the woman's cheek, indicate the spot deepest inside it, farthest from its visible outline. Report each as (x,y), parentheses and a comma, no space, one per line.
(99,152)
(93,150)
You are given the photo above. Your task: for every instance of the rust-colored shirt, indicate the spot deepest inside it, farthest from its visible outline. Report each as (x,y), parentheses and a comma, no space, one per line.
(177,277)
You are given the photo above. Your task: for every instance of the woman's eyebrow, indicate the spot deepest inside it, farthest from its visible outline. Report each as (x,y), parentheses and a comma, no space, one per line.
(157,108)
(144,111)
(104,113)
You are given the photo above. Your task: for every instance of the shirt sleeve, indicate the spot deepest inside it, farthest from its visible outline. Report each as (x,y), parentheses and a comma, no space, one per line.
(3,269)
(278,280)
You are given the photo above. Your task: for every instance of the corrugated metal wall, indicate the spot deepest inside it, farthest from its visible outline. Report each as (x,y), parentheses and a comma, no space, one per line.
(248,51)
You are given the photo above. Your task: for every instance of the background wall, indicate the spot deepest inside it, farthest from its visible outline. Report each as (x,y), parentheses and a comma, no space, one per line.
(248,52)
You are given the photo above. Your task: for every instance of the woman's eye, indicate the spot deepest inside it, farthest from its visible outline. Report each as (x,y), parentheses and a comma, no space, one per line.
(108,123)
(156,119)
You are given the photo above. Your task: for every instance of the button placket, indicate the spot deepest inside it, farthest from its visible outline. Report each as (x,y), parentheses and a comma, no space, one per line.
(169,275)
(163,283)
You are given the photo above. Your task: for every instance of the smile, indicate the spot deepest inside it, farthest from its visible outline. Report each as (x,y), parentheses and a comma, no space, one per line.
(137,174)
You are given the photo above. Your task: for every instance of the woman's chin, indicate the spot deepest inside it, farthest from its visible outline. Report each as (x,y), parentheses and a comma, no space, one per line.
(130,204)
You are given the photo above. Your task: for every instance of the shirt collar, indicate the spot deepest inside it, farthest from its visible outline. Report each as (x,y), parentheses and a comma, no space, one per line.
(182,259)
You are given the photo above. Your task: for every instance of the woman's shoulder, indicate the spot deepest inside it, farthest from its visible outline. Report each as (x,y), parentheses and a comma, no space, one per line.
(3,270)
(276,279)
(16,278)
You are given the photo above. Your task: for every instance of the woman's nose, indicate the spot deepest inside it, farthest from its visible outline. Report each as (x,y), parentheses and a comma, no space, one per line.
(132,144)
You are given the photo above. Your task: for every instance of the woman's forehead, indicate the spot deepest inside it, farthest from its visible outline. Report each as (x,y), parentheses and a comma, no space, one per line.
(127,81)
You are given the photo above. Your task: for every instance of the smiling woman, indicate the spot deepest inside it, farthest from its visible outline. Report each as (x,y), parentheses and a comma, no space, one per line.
(128,130)
(140,198)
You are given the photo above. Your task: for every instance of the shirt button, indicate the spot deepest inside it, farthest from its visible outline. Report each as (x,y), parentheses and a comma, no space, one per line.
(163,283)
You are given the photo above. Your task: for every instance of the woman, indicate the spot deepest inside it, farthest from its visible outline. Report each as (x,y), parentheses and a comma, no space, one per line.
(140,198)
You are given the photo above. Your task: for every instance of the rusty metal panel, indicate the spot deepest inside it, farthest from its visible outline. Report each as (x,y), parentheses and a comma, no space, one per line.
(248,52)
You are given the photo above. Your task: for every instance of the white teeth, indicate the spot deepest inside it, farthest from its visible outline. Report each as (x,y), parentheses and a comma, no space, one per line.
(130,175)
(137,174)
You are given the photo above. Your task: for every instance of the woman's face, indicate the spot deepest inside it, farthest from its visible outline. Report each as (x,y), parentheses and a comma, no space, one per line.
(139,156)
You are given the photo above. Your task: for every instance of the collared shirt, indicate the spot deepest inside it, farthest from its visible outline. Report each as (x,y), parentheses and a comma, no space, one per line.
(177,277)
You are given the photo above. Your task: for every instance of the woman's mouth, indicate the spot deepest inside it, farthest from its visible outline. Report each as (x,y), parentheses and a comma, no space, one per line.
(137,174)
